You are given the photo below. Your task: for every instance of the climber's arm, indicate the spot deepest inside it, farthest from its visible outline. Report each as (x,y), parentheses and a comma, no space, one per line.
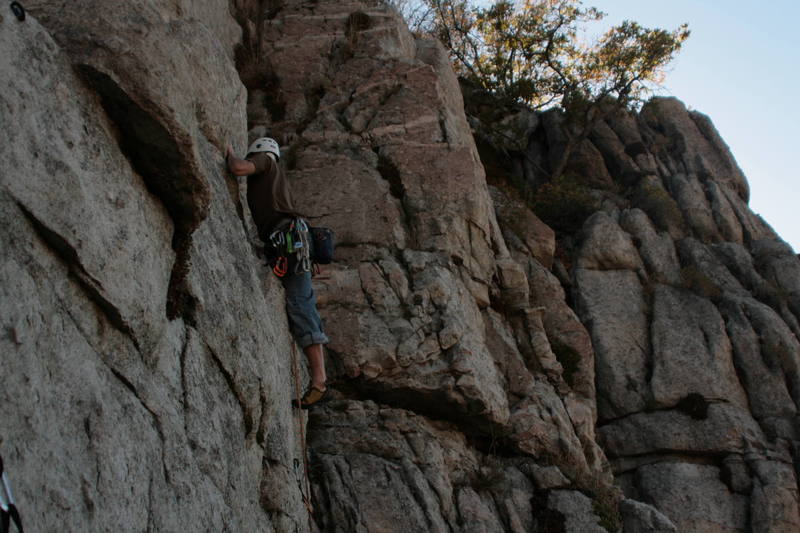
(237,166)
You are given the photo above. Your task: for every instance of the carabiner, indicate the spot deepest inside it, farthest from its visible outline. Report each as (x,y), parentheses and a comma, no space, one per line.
(8,509)
(281,267)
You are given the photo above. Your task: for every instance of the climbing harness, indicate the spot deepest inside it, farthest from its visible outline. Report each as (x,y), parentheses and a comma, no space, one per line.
(294,248)
(18,10)
(305,488)
(8,509)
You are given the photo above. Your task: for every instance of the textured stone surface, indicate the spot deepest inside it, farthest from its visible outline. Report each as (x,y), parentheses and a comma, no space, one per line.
(100,203)
(605,246)
(613,302)
(638,517)
(689,299)
(521,225)
(144,422)
(478,360)
(577,511)
(406,300)
(694,495)
(774,497)
(382,469)
(691,350)
(696,350)
(721,428)
(656,249)
(694,143)
(762,347)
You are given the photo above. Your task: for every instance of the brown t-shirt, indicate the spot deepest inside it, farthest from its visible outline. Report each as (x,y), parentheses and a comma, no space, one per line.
(268,194)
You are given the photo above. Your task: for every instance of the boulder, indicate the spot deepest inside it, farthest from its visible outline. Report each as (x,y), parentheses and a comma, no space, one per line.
(695,143)
(656,249)
(692,497)
(605,246)
(638,517)
(692,353)
(694,428)
(614,305)
(576,510)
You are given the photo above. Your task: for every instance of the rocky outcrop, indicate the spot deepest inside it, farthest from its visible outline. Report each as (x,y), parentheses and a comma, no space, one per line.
(694,331)
(488,373)
(431,313)
(145,370)
(694,405)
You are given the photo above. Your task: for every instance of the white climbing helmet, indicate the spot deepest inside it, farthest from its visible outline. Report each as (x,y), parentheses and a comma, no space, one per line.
(265,144)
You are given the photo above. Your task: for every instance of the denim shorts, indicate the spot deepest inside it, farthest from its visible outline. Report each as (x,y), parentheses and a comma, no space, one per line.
(301,306)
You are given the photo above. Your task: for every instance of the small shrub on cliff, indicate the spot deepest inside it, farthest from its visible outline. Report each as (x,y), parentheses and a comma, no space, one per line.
(662,209)
(536,52)
(700,283)
(607,509)
(605,501)
(564,204)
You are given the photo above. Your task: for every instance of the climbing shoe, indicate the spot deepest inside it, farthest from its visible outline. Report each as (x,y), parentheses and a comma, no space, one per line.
(311,397)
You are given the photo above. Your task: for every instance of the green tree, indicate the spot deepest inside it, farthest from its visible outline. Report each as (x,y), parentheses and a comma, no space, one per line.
(532,51)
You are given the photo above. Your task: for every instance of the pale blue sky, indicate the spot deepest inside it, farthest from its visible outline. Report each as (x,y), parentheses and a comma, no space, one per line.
(741,67)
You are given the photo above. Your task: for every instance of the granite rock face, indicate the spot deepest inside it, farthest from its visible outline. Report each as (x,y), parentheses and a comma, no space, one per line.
(144,363)
(707,343)
(488,373)
(431,312)
(690,301)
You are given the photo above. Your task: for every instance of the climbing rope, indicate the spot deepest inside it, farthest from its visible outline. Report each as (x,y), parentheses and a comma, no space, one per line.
(305,491)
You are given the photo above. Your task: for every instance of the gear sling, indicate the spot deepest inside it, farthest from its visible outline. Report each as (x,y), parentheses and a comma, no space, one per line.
(288,248)
(294,248)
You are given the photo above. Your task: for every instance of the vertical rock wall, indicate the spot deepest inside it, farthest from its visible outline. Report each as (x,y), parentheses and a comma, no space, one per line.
(146,381)
(453,409)
(689,316)
(691,301)
(487,376)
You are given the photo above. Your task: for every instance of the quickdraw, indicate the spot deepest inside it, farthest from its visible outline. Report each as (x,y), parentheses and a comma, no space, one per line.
(8,509)
(281,267)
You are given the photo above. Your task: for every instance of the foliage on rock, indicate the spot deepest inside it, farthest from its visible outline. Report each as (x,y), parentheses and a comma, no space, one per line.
(659,206)
(534,52)
(564,204)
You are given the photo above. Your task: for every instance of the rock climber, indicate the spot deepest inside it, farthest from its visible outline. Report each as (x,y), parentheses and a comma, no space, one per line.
(285,235)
